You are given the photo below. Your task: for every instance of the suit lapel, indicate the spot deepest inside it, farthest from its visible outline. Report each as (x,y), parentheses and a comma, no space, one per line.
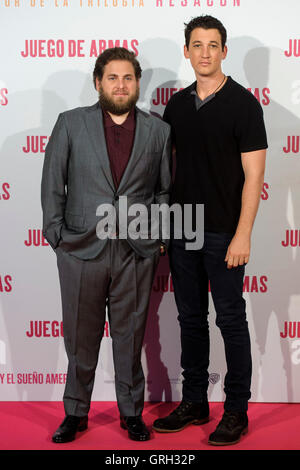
(142,134)
(95,128)
(94,124)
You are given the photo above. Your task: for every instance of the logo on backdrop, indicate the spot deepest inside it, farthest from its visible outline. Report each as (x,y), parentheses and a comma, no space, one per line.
(163,283)
(292,238)
(292,144)
(264,192)
(261,95)
(3,96)
(163,95)
(32,378)
(52,329)
(119,3)
(70,3)
(214,378)
(42,48)
(255,284)
(35,144)
(4,191)
(291,330)
(198,3)
(5,283)
(294,48)
(35,238)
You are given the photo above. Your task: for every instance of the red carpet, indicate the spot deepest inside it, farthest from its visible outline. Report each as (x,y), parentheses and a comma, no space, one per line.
(29,426)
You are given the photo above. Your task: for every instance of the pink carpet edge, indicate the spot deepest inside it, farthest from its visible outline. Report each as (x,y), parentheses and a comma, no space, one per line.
(29,425)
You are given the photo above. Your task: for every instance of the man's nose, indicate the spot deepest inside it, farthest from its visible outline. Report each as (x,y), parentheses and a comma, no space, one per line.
(205,51)
(121,83)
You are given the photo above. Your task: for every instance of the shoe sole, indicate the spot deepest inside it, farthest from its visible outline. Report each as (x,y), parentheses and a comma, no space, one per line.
(196,422)
(216,443)
(63,441)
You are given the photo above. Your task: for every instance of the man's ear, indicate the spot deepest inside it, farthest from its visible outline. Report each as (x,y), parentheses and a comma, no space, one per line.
(186,52)
(98,84)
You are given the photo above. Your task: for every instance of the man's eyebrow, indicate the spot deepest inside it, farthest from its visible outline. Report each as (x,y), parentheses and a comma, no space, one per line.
(116,75)
(200,42)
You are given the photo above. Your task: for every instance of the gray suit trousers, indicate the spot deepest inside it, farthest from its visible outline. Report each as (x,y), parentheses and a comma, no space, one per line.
(120,280)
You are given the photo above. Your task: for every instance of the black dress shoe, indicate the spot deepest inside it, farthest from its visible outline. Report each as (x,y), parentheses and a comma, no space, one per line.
(232,426)
(68,428)
(136,428)
(186,413)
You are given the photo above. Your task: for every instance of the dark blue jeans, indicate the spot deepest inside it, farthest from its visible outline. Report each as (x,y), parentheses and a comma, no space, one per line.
(191,271)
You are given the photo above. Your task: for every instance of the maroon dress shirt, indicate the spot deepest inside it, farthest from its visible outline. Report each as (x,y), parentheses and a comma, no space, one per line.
(119,143)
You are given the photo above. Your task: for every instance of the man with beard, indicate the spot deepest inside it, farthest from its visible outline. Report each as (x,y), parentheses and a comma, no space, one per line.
(97,155)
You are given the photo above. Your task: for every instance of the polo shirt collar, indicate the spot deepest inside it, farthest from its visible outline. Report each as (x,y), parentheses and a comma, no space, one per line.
(199,103)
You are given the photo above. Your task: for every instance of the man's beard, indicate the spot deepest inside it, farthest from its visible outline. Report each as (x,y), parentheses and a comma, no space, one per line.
(117,108)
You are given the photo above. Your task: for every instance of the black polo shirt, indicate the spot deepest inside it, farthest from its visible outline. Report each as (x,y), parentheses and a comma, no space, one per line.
(209,139)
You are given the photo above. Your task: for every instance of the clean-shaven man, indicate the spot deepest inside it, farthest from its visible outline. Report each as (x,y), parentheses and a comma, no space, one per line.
(96,157)
(219,135)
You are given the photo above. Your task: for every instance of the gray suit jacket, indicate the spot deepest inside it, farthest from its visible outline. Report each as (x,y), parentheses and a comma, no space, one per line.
(77,179)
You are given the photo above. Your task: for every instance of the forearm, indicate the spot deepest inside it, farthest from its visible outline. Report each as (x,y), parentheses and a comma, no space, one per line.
(250,202)
(238,252)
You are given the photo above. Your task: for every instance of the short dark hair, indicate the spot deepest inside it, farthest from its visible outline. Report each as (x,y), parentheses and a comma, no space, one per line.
(205,22)
(115,53)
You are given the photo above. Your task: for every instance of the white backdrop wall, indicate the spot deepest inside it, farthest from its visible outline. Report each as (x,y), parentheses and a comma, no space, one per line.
(64,39)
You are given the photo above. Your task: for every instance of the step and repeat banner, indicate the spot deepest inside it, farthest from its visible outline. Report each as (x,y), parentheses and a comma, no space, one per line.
(48,49)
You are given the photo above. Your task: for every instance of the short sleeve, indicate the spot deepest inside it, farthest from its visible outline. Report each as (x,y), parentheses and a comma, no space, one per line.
(250,127)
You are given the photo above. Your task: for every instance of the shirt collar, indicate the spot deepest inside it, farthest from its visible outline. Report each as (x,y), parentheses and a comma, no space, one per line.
(128,124)
(199,103)
(194,92)
(227,85)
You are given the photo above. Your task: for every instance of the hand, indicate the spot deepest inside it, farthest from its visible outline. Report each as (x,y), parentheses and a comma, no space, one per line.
(238,251)
(162,250)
